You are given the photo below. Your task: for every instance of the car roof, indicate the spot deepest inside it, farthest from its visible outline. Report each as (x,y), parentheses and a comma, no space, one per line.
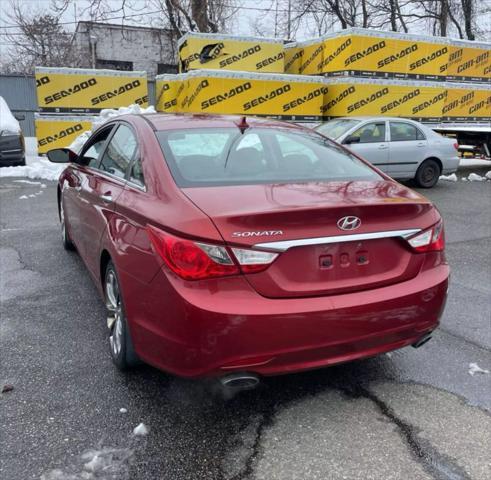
(379,117)
(173,121)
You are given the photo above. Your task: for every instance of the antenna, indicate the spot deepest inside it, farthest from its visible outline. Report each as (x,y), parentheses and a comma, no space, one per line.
(242,124)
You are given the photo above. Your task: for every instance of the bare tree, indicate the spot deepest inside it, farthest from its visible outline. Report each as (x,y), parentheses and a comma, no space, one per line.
(468,11)
(180,16)
(39,39)
(440,17)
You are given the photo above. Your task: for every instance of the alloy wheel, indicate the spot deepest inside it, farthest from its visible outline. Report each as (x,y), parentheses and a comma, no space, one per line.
(114,313)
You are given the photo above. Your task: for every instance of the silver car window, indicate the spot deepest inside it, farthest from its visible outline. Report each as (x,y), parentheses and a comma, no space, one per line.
(370,133)
(404,132)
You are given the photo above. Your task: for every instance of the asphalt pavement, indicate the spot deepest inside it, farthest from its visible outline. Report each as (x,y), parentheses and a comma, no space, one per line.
(411,414)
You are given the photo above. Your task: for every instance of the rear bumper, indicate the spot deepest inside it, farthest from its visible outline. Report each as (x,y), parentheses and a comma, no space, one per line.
(12,157)
(197,329)
(450,165)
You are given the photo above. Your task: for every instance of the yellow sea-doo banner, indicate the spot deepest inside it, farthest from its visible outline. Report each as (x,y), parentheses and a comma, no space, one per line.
(243,93)
(469,61)
(168,87)
(371,53)
(61,90)
(228,52)
(312,55)
(422,101)
(59,131)
(293,58)
(466,102)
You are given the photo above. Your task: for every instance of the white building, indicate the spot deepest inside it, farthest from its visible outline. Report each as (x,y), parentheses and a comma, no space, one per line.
(123,47)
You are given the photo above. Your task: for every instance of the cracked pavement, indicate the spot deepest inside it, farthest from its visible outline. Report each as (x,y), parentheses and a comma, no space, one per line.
(412,414)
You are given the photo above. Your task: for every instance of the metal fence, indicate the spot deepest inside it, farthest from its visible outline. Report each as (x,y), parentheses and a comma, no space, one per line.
(19,91)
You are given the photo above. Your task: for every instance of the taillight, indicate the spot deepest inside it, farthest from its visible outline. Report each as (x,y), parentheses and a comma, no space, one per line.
(431,240)
(197,260)
(253,261)
(456,146)
(192,260)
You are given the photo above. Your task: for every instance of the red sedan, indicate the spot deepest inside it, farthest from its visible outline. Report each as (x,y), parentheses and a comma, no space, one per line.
(239,247)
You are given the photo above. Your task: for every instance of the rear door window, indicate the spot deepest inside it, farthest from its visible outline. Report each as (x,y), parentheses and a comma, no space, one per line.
(136,173)
(404,132)
(120,152)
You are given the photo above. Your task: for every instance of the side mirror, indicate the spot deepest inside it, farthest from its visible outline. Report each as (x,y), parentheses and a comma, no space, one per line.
(351,139)
(62,155)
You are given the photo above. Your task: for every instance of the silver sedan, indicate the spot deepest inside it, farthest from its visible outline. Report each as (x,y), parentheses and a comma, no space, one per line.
(404,149)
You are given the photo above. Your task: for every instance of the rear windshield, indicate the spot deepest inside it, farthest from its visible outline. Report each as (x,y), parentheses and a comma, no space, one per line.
(216,157)
(337,127)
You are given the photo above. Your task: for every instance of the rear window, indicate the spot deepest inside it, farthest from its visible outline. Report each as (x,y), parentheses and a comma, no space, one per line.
(216,157)
(337,127)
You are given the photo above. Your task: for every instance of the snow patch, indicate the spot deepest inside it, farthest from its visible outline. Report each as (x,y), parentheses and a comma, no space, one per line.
(449,178)
(123,410)
(36,167)
(27,182)
(8,122)
(23,197)
(474,177)
(488,175)
(140,430)
(475,368)
(104,463)
(105,115)
(41,168)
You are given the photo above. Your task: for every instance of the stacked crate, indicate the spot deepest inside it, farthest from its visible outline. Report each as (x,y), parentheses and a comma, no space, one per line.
(69,97)
(363,72)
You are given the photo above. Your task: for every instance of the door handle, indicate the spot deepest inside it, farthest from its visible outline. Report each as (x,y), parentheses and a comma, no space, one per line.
(107,198)
(421,144)
(382,146)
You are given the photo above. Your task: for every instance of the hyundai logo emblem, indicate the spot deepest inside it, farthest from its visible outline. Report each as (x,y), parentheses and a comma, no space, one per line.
(349,223)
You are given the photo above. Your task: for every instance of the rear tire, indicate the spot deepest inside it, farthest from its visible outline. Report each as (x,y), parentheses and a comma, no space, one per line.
(427,174)
(120,343)
(65,237)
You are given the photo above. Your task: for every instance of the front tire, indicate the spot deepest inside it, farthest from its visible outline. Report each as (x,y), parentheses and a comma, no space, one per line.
(427,174)
(120,343)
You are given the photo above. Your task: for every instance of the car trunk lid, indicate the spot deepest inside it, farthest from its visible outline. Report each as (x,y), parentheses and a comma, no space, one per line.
(301,221)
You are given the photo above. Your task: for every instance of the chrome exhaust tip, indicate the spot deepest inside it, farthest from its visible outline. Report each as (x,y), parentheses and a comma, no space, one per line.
(420,342)
(240,381)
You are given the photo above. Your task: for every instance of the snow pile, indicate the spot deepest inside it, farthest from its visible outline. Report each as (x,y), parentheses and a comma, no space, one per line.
(103,117)
(28,182)
(449,178)
(7,121)
(140,430)
(475,368)
(36,168)
(488,175)
(474,177)
(39,167)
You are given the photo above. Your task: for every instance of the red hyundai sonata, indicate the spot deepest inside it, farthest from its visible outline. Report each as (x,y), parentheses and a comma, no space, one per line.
(240,247)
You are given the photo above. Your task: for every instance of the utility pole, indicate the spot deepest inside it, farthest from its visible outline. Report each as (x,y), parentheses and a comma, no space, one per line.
(288,26)
(276,19)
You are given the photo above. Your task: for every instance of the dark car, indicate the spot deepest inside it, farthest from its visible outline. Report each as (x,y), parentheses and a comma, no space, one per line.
(12,147)
(236,247)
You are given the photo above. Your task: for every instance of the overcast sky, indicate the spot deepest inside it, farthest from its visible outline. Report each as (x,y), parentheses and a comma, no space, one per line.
(250,13)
